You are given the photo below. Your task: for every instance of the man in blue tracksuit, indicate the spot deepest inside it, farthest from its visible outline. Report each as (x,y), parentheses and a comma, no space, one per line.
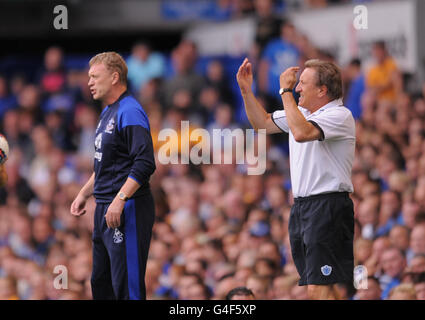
(123,164)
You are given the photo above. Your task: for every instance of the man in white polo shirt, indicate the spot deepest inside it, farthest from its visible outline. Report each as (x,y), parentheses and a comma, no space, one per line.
(321,147)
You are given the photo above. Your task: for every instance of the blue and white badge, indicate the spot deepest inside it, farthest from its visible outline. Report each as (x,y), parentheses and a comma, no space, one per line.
(110,126)
(118,236)
(326,270)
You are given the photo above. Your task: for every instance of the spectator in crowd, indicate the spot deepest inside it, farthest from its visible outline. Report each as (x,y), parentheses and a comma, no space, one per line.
(417,239)
(56,99)
(362,250)
(355,80)
(240,293)
(393,263)
(383,79)
(29,100)
(389,212)
(184,58)
(144,65)
(259,285)
(53,76)
(419,283)
(215,77)
(268,23)
(367,216)
(224,284)
(400,238)
(282,286)
(372,292)
(198,291)
(8,289)
(405,291)
(417,263)
(278,55)
(7,100)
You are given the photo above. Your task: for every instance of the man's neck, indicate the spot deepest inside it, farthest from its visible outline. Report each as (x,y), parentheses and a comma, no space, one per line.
(319,105)
(113,96)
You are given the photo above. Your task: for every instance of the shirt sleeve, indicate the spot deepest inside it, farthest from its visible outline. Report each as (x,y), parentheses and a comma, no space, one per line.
(334,123)
(280,120)
(134,128)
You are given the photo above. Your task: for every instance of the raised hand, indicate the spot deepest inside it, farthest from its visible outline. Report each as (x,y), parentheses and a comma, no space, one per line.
(288,78)
(244,76)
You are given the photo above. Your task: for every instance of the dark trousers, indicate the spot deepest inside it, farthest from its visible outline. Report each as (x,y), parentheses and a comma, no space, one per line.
(120,255)
(321,233)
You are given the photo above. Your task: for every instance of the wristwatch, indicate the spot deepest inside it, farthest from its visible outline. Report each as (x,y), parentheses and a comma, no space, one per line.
(122,196)
(283,90)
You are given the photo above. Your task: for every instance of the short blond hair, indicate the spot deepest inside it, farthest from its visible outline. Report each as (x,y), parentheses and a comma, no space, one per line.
(114,62)
(405,288)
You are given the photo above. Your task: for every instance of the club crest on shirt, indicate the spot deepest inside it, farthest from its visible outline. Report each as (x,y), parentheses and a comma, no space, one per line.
(326,270)
(98,141)
(110,126)
(118,236)
(98,145)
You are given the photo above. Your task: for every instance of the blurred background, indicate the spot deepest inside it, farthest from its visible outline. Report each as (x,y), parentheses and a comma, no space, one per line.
(216,227)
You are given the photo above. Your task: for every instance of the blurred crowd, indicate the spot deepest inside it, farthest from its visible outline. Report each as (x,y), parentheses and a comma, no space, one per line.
(223,10)
(216,227)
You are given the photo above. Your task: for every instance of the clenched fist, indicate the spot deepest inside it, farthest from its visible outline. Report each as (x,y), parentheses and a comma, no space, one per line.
(288,78)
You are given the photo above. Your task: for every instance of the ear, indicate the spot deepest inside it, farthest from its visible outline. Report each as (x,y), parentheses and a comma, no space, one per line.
(115,78)
(323,91)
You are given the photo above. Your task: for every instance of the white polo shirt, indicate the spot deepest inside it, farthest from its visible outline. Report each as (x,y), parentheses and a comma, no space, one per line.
(322,166)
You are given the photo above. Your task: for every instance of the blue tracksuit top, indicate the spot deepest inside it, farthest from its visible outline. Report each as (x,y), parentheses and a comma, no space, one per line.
(123,148)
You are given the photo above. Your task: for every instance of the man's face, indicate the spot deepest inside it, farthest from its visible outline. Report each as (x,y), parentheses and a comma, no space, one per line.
(100,81)
(417,239)
(399,237)
(196,292)
(417,264)
(420,291)
(393,263)
(257,288)
(378,53)
(184,285)
(307,89)
(373,291)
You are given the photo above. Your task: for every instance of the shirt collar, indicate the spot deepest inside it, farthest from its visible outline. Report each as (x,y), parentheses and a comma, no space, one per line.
(123,95)
(330,104)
